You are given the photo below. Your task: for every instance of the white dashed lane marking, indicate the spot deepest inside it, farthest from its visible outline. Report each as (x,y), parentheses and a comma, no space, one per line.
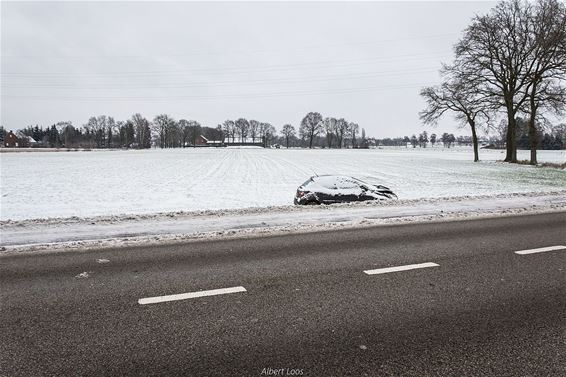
(184,296)
(223,291)
(400,268)
(541,250)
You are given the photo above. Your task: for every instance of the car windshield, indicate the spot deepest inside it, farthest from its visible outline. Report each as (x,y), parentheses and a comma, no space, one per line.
(306,182)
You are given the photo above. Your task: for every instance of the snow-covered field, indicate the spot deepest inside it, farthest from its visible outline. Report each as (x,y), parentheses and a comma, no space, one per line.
(65,184)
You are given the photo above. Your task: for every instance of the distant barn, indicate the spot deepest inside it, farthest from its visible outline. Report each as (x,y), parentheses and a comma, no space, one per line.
(18,140)
(201,141)
(240,142)
(11,140)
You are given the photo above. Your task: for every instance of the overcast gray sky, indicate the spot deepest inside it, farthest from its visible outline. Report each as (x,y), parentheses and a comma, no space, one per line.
(212,61)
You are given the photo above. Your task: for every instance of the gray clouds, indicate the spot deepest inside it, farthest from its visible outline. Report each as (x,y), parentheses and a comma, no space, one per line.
(214,61)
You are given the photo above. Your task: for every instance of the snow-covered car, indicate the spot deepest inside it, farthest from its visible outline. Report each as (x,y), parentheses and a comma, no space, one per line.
(327,189)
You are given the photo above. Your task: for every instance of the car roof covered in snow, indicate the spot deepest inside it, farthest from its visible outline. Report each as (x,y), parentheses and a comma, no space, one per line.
(336,182)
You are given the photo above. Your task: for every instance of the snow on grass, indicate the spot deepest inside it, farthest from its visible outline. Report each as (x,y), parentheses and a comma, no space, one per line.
(41,185)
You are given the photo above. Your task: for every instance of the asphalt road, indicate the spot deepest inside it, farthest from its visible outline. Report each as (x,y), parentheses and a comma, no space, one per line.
(308,307)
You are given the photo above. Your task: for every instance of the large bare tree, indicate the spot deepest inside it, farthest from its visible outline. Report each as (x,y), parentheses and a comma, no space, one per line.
(545,89)
(496,52)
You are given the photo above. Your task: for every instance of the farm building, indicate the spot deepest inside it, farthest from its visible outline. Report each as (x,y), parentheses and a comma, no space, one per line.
(248,141)
(18,140)
(201,141)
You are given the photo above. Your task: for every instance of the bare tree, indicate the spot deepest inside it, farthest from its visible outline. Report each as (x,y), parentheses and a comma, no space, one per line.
(353,129)
(447,139)
(288,131)
(267,133)
(262,130)
(423,139)
(165,127)
(495,51)
(184,130)
(433,139)
(220,133)
(242,126)
(142,131)
(341,128)
(67,133)
(254,129)
(311,125)
(125,133)
(96,126)
(194,131)
(229,129)
(455,95)
(545,88)
(330,129)
(110,131)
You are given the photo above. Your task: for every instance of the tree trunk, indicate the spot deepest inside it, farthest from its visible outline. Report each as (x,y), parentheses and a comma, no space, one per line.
(474,139)
(533,140)
(510,136)
(532,127)
(511,144)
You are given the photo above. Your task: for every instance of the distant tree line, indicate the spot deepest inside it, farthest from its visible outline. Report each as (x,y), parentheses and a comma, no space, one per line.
(165,132)
(317,131)
(314,131)
(553,139)
(423,139)
(99,132)
(137,132)
(509,64)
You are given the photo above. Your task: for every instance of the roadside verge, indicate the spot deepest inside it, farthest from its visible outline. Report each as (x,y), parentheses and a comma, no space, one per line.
(116,231)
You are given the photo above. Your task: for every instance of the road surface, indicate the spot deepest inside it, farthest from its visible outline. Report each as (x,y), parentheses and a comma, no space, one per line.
(431,299)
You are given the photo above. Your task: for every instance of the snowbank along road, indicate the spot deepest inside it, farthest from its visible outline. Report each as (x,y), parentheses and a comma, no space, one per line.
(112,231)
